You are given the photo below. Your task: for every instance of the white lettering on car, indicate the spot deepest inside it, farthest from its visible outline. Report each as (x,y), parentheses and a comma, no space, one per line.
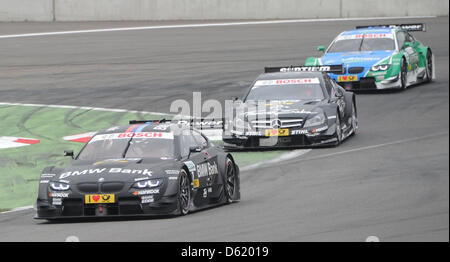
(145,172)
(207,169)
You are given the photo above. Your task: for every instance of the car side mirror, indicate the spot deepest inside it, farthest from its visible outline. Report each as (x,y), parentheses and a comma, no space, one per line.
(194,149)
(321,48)
(69,153)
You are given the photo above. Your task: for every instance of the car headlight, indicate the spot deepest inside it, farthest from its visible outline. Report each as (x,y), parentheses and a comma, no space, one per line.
(316,120)
(58,186)
(380,68)
(148,183)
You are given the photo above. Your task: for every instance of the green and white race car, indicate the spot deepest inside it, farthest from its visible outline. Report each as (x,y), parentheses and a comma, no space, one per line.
(378,57)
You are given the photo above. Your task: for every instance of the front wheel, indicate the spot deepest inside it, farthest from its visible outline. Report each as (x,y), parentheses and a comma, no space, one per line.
(354,119)
(184,193)
(403,74)
(230,181)
(429,69)
(338,131)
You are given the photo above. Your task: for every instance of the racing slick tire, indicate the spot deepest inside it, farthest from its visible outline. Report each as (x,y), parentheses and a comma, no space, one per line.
(338,131)
(229,186)
(354,120)
(403,74)
(184,193)
(429,67)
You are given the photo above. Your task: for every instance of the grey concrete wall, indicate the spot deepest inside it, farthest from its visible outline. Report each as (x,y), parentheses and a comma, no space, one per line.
(26,10)
(118,10)
(355,8)
(70,10)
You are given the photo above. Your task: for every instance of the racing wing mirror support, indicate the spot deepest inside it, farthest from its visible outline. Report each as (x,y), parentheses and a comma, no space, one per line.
(194,149)
(69,153)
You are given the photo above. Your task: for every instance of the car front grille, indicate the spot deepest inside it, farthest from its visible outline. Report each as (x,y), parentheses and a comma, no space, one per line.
(88,187)
(363,83)
(106,187)
(277,123)
(355,70)
(111,187)
(344,71)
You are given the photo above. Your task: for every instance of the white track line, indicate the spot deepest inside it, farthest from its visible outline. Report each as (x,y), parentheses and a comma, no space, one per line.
(86,108)
(375,146)
(298,153)
(17,209)
(284,157)
(207,25)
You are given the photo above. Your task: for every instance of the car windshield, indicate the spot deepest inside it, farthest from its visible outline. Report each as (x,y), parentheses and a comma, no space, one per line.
(286,89)
(364,44)
(129,145)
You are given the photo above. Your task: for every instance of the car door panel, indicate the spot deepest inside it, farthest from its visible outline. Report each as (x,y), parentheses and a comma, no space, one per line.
(339,98)
(205,177)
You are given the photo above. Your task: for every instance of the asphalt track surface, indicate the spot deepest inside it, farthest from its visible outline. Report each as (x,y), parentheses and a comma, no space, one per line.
(390,180)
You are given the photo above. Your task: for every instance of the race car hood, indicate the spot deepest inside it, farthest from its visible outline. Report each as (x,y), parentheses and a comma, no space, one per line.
(115,170)
(283,109)
(355,59)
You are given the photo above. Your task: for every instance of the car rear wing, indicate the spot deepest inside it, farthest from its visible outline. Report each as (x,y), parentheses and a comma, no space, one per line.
(407,27)
(197,123)
(338,69)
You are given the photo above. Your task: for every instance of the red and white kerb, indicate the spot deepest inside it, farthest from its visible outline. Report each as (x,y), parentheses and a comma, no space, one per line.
(80,138)
(11,142)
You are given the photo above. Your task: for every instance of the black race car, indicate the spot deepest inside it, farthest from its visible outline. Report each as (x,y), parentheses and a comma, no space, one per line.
(147,168)
(292,107)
